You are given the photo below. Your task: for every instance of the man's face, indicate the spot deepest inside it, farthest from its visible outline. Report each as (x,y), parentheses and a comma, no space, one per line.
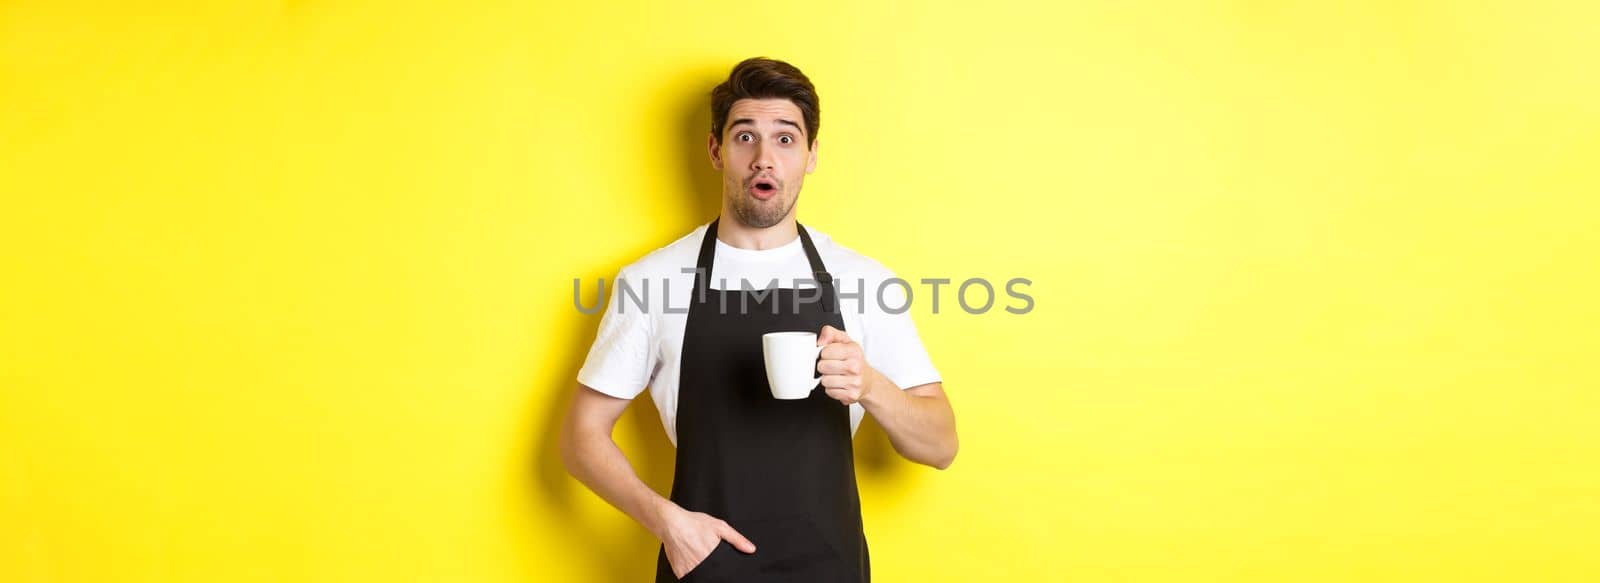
(764,156)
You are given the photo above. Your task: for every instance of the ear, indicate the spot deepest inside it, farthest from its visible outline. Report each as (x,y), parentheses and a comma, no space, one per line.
(716,152)
(812,164)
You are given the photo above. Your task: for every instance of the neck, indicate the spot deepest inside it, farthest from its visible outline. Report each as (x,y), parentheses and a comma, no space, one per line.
(739,235)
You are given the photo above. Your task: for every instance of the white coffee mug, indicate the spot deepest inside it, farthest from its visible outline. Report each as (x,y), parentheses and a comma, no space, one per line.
(791,363)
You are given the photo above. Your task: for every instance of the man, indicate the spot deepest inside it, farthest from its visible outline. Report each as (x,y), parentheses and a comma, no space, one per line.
(764,489)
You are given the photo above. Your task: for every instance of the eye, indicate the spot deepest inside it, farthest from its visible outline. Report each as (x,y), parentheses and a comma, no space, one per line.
(745,137)
(786,139)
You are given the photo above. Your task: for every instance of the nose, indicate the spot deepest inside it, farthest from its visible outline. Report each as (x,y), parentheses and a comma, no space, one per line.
(762,159)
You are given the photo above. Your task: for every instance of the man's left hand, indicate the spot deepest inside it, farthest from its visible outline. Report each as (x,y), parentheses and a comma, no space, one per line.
(845,374)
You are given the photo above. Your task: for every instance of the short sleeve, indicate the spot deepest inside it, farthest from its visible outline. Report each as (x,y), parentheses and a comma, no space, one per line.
(623,355)
(890,340)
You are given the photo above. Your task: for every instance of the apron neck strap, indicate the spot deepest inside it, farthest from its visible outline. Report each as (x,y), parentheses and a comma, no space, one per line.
(702,268)
(818,271)
(708,248)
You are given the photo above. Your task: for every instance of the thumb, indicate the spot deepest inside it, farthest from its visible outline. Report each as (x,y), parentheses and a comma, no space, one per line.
(737,540)
(829,335)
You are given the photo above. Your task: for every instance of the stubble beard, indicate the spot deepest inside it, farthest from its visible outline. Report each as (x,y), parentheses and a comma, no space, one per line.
(760,214)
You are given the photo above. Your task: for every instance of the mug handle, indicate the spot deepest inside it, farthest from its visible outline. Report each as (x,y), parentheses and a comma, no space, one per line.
(816,355)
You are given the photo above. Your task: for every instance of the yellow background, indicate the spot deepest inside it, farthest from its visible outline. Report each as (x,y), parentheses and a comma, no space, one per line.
(288,286)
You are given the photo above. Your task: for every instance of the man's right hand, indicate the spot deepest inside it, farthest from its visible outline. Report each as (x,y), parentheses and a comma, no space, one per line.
(689,537)
(590,455)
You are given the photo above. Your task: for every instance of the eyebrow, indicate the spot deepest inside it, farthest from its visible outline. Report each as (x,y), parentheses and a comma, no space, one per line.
(746,120)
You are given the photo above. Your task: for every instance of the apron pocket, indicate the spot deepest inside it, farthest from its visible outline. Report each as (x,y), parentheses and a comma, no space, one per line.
(788,545)
(713,568)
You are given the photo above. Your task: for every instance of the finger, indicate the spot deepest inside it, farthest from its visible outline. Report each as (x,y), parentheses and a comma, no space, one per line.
(837,367)
(737,540)
(839,381)
(845,396)
(840,351)
(829,335)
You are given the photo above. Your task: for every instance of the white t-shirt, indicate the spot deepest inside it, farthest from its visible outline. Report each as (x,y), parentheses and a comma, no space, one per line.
(640,340)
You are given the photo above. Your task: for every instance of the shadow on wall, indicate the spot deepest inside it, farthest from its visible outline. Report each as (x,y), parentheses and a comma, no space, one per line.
(700,182)
(620,550)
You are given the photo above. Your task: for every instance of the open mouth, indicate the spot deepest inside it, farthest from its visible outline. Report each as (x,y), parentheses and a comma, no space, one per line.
(763,188)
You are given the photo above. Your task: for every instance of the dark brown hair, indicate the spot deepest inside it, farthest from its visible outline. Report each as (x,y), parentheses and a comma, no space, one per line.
(763,78)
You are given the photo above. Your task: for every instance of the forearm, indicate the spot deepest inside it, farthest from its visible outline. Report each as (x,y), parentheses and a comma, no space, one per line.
(596,461)
(921,428)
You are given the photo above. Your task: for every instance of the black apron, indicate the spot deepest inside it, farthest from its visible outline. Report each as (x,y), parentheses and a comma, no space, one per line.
(781,472)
